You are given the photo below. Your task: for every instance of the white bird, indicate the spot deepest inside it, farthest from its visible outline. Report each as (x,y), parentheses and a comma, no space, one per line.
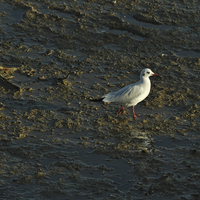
(131,95)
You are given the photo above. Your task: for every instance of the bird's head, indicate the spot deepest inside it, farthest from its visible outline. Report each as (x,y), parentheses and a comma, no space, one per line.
(147,73)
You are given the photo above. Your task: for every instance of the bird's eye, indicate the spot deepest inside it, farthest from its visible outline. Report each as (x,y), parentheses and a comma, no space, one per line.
(148,72)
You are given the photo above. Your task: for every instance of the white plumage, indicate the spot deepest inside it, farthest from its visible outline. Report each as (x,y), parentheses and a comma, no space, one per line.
(131,95)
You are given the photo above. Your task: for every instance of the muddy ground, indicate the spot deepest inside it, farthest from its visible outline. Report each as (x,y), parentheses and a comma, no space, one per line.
(55,143)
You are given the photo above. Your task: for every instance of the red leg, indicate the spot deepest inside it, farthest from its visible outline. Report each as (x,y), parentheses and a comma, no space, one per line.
(121,111)
(134,116)
(4,68)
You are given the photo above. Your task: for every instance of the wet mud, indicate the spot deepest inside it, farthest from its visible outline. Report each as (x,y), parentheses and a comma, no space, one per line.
(57,144)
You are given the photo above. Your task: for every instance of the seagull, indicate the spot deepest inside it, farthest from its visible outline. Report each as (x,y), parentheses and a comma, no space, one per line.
(132,94)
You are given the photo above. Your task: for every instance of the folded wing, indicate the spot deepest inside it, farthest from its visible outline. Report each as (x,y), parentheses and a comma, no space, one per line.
(124,95)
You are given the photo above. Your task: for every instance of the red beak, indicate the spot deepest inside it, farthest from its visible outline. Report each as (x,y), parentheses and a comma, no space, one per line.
(155,74)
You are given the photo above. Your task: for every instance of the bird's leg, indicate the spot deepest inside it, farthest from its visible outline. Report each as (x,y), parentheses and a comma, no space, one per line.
(134,116)
(121,111)
(4,68)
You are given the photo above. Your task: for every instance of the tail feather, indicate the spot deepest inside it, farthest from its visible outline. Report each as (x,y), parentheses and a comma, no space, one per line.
(105,98)
(97,100)
(108,97)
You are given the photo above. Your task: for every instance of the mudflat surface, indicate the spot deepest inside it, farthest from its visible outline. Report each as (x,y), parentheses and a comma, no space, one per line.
(55,143)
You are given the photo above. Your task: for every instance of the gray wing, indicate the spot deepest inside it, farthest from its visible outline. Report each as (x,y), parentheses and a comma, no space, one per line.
(124,95)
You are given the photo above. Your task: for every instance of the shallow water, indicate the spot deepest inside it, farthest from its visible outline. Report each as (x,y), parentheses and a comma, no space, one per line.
(56,143)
